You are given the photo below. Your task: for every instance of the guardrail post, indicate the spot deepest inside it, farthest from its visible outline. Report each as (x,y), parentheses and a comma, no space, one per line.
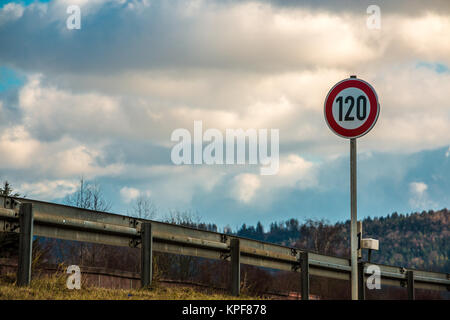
(235,267)
(410,284)
(146,254)
(25,244)
(304,268)
(361,284)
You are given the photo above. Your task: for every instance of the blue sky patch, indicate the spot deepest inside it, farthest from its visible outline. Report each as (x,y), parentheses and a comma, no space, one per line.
(436,66)
(23,2)
(9,79)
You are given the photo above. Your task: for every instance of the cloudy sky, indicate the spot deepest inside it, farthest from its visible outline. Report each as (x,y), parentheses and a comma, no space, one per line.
(102,101)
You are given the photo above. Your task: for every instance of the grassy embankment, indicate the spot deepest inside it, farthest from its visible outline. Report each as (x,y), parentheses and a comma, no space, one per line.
(54,288)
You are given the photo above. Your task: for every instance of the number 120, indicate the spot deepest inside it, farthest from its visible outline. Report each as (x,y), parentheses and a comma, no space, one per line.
(361,108)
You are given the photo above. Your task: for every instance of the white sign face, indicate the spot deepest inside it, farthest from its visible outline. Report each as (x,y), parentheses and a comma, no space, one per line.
(351,108)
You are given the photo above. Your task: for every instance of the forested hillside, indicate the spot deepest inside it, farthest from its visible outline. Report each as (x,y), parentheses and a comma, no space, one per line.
(416,240)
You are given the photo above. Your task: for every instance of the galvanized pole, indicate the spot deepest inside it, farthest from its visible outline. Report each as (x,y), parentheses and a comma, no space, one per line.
(25,244)
(353,221)
(235,267)
(146,254)
(304,268)
(410,284)
(361,284)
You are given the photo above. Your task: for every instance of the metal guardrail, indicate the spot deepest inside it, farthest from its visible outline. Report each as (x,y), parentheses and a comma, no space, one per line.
(37,218)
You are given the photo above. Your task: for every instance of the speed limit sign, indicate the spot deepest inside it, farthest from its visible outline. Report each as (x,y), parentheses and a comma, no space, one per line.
(351,108)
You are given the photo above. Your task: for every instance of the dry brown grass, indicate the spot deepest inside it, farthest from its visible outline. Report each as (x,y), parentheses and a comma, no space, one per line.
(54,288)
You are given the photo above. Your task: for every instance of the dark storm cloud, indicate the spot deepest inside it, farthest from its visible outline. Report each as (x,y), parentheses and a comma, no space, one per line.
(400,7)
(171,35)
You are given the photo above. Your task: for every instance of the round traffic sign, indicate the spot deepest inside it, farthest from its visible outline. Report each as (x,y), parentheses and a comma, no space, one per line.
(351,108)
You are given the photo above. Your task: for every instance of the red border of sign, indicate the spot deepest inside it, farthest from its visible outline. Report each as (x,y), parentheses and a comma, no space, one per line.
(374,108)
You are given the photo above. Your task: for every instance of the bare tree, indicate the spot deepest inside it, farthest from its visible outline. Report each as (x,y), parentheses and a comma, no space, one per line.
(89,195)
(186,218)
(320,236)
(182,267)
(143,208)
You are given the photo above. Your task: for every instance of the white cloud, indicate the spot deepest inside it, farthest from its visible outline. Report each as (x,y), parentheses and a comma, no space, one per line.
(52,113)
(246,65)
(426,35)
(292,102)
(245,187)
(175,186)
(58,159)
(420,200)
(233,35)
(128,194)
(243,65)
(294,173)
(418,188)
(10,11)
(18,147)
(48,189)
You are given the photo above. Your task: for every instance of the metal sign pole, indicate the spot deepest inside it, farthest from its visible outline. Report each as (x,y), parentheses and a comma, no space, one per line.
(352,126)
(353,221)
